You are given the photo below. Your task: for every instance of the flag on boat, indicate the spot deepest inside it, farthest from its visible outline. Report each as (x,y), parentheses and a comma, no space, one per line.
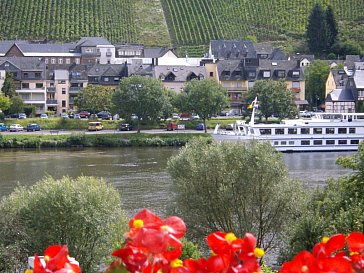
(254,104)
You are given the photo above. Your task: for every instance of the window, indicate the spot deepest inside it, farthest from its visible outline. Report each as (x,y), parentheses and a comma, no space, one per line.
(291,142)
(60,60)
(305,131)
(317,142)
(37,74)
(39,85)
(251,74)
(46,60)
(351,130)
(53,60)
(25,85)
(106,79)
(281,73)
(330,142)
(279,131)
(63,103)
(211,74)
(354,141)
(116,79)
(330,131)
(317,131)
(265,131)
(295,73)
(62,82)
(295,84)
(26,75)
(283,142)
(63,91)
(342,141)
(77,60)
(275,143)
(250,84)
(68,60)
(305,142)
(342,130)
(266,74)
(292,131)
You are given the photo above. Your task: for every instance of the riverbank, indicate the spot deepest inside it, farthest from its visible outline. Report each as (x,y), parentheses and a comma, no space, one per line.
(97,140)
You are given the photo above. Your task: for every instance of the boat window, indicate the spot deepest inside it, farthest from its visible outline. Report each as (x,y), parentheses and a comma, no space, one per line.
(291,142)
(342,130)
(275,143)
(351,130)
(360,117)
(252,131)
(292,131)
(317,142)
(305,142)
(279,131)
(354,141)
(317,130)
(284,142)
(265,131)
(330,142)
(330,131)
(343,141)
(305,131)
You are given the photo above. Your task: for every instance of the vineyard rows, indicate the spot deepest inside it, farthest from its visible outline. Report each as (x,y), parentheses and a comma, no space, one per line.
(67,20)
(194,22)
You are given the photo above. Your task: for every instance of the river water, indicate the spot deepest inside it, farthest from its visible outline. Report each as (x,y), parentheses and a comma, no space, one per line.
(138,173)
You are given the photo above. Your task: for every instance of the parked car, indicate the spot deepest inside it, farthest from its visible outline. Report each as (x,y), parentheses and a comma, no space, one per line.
(64,115)
(84,114)
(195,116)
(43,116)
(3,127)
(229,127)
(175,116)
(126,127)
(31,127)
(15,127)
(171,126)
(95,126)
(200,126)
(76,116)
(22,116)
(104,115)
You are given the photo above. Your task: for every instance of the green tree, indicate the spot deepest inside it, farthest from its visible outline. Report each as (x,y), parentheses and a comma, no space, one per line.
(317,32)
(234,187)
(9,86)
(94,98)
(274,99)
(4,103)
(205,98)
(145,97)
(17,105)
(168,105)
(316,76)
(332,28)
(83,213)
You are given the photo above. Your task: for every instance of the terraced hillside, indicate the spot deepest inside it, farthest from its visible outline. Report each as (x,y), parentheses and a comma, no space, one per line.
(194,22)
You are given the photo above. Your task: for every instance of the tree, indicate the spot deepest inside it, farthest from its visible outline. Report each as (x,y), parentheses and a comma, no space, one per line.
(9,86)
(17,105)
(317,33)
(4,103)
(274,99)
(84,213)
(204,97)
(168,106)
(234,187)
(94,98)
(332,28)
(316,76)
(145,97)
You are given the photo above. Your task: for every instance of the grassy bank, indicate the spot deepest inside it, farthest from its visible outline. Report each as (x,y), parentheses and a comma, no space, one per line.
(97,140)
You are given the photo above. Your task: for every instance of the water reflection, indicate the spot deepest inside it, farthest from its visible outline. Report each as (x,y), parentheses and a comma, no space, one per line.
(138,173)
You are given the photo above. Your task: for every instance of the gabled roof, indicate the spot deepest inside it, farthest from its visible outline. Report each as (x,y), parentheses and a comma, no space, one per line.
(140,69)
(231,66)
(359,79)
(181,72)
(25,63)
(340,95)
(278,54)
(264,48)
(155,52)
(106,70)
(61,75)
(5,45)
(340,77)
(289,66)
(232,49)
(92,41)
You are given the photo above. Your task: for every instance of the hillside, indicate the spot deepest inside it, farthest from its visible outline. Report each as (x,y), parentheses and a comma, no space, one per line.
(187,24)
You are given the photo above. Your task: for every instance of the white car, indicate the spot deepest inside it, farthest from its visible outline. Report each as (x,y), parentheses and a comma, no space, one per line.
(43,116)
(15,128)
(64,115)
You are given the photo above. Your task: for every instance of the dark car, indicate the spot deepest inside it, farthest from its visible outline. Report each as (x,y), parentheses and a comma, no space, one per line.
(200,126)
(84,114)
(31,127)
(104,115)
(3,127)
(126,127)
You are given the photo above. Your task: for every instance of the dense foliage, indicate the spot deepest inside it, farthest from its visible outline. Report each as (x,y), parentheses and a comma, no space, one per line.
(94,98)
(239,188)
(84,213)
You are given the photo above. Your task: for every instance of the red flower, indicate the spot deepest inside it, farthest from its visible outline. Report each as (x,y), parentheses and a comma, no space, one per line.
(303,263)
(329,245)
(355,241)
(133,258)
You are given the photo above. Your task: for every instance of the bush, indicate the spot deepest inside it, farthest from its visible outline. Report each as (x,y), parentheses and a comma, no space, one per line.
(83,213)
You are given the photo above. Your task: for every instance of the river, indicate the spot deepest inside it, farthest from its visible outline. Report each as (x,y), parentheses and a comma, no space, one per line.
(138,173)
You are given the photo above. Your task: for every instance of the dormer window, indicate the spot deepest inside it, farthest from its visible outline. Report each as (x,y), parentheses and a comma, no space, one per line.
(295,74)
(281,74)
(191,76)
(251,74)
(226,73)
(162,77)
(236,73)
(266,74)
(170,77)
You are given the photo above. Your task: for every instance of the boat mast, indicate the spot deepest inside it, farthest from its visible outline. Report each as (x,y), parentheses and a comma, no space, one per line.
(253,105)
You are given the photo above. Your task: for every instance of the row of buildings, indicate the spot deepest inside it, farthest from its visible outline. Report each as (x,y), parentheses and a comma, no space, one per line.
(49,76)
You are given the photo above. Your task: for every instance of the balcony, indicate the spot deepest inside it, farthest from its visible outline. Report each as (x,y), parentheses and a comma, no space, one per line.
(91,54)
(50,102)
(27,90)
(71,101)
(108,54)
(51,89)
(33,101)
(75,90)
